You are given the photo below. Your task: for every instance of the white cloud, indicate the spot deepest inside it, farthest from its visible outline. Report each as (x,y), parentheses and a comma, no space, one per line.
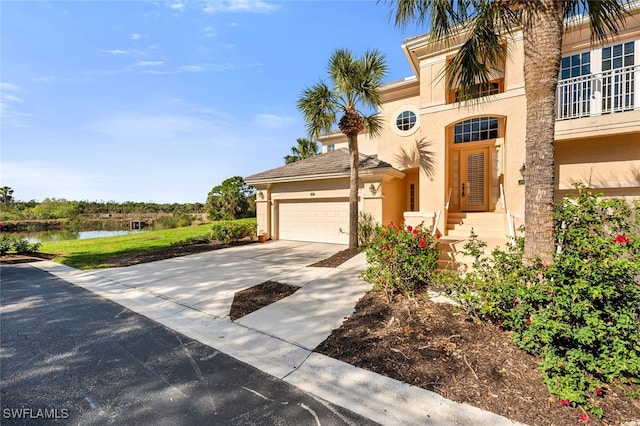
(251,6)
(147,64)
(10,102)
(191,68)
(208,32)
(8,87)
(177,6)
(273,121)
(115,51)
(136,36)
(42,179)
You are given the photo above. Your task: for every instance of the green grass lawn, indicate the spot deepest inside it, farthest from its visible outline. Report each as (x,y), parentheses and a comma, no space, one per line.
(93,253)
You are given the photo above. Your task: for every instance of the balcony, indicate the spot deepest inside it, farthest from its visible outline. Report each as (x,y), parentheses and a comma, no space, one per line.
(597,94)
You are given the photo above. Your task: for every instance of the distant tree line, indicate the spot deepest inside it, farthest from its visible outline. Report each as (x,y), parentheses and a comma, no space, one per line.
(60,208)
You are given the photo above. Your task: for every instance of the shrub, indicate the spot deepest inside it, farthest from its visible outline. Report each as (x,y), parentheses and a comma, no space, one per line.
(196,239)
(22,246)
(227,231)
(366,229)
(401,259)
(6,242)
(581,314)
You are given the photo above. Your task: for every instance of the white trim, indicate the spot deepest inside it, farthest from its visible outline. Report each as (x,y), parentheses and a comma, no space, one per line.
(396,114)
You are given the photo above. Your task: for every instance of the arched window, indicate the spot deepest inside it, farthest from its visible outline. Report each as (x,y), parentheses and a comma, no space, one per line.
(476,129)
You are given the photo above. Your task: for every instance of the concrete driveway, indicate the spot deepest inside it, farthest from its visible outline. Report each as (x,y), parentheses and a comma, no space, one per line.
(208,281)
(193,294)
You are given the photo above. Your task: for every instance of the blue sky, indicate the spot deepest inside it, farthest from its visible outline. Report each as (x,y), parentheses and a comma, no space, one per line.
(160,101)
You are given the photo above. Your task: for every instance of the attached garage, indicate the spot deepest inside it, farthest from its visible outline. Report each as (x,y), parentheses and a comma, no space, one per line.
(308,200)
(316,221)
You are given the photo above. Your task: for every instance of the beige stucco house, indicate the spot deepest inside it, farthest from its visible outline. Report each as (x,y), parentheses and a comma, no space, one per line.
(458,166)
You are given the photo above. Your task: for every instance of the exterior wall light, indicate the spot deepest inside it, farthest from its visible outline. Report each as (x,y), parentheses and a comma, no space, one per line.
(261,195)
(522,170)
(373,189)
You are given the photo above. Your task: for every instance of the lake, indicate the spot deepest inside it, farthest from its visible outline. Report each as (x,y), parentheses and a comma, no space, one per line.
(60,235)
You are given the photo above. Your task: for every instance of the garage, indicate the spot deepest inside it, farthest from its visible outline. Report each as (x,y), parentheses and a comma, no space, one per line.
(317,221)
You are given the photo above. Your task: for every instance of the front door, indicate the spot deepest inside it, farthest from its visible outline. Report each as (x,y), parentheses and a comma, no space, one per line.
(474,193)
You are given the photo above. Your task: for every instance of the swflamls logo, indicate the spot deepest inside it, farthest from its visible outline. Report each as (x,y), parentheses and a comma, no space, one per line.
(40,413)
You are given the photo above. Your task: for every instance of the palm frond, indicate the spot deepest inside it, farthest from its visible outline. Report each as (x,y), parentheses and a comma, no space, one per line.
(606,17)
(373,124)
(484,51)
(318,107)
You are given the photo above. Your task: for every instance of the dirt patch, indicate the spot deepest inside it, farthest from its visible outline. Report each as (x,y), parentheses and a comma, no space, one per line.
(128,259)
(12,259)
(254,298)
(433,346)
(337,259)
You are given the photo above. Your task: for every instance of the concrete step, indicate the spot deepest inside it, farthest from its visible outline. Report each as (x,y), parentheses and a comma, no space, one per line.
(480,232)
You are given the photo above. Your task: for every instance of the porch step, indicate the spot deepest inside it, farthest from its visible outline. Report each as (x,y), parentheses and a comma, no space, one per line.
(484,225)
(489,227)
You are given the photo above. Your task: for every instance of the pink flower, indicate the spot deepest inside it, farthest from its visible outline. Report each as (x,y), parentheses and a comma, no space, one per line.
(438,235)
(565,402)
(621,239)
(409,228)
(422,243)
(584,418)
(528,321)
(599,392)
(415,232)
(516,302)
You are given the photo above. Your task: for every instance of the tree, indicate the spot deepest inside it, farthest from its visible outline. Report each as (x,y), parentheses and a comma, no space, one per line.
(6,195)
(355,83)
(232,199)
(488,23)
(306,148)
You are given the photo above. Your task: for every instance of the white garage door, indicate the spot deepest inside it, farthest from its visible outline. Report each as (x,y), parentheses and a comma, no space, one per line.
(317,221)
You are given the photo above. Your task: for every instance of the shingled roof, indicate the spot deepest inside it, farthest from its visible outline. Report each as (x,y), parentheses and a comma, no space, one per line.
(330,164)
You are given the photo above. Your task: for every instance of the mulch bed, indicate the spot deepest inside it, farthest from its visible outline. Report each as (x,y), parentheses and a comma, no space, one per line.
(337,259)
(435,347)
(12,259)
(257,297)
(168,253)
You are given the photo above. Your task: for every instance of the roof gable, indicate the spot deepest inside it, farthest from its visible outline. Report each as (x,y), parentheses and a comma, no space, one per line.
(330,164)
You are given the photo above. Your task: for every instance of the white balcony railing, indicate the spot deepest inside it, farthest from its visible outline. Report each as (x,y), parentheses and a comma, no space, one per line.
(601,93)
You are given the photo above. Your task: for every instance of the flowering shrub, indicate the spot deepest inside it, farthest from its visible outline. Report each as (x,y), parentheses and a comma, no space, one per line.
(401,258)
(580,315)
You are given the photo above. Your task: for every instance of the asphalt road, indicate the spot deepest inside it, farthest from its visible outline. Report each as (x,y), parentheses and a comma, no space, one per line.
(68,356)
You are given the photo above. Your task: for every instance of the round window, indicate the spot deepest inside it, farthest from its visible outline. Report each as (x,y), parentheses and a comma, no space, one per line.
(406,120)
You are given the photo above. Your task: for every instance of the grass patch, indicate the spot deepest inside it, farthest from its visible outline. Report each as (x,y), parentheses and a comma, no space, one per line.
(93,253)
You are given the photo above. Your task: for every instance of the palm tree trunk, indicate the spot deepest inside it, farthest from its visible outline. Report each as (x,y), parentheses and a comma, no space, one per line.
(543,52)
(354,158)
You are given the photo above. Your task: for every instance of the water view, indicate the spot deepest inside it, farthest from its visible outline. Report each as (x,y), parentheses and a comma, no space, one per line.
(60,235)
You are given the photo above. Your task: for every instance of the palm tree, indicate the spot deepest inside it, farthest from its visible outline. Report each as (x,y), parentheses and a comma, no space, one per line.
(354,93)
(306,148)
(487,24)
(6,195)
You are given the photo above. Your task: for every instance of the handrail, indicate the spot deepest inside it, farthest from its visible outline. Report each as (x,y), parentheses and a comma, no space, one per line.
(436,221)
(446,206)
(510,229)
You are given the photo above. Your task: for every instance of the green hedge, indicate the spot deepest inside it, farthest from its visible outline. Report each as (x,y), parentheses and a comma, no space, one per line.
(227,231)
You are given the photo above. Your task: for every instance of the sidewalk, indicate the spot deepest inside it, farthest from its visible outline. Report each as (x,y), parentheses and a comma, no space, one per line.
(279,338)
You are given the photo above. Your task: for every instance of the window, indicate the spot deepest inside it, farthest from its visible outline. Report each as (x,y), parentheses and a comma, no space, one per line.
(575,65)
(575,94)
(617,83)
(412,197)
(476,129)
(480,90)
(331,147)
(406,120)
(617,56)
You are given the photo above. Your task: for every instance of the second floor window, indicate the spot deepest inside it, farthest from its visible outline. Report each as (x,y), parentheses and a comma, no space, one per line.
(331,147)
(476,129)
